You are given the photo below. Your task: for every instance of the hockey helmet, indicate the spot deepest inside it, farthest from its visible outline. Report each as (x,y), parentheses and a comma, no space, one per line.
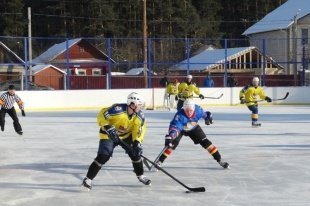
(11,87)
(189,76)
(189,107)
(136,99)
(189,104)
(255,81)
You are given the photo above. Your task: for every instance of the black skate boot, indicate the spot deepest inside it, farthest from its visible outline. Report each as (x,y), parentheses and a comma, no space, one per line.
(86,185)
(225,165)
(20,132)
(256,124)
(144,180)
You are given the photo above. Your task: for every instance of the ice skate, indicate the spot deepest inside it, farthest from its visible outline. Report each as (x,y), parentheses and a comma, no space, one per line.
(20,132)
(256,124)
(86,185)
(2,128)
(225,165)
(154,169)
(144,180)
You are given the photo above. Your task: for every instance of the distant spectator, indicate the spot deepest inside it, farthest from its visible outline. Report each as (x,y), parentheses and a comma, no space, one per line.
(164,81)
(172,90)
(231,81)
(208,82)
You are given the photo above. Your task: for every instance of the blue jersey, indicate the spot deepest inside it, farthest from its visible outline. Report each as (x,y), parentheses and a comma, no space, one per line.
(181,122)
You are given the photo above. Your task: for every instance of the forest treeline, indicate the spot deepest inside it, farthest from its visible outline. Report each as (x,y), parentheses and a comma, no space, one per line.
(124,18)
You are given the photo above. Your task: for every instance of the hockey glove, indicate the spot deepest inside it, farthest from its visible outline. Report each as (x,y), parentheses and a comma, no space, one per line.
(23,113)
(268,99)
(209,118)
(242,100)
(137,149)
(201,96)
(176,98)
(112,133)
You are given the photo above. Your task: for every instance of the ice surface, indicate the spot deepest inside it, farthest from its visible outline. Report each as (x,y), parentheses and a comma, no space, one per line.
(269,165)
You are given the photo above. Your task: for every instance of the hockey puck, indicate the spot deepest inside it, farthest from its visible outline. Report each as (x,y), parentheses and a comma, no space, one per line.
(188,191)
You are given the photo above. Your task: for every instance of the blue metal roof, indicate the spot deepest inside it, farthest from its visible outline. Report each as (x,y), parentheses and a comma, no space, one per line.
(282,17)
(54,51)
(209,58)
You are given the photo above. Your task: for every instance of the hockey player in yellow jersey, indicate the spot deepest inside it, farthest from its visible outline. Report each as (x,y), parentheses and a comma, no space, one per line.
(249,96)
(172,90)
(120,122)
(187,90)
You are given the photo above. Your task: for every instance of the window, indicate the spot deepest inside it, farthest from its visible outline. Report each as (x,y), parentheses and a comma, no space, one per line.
(82,50)
(96,72)
(81,72)
(304,36)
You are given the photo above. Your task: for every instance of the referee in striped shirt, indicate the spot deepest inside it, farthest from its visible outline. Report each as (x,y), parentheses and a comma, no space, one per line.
(7,101)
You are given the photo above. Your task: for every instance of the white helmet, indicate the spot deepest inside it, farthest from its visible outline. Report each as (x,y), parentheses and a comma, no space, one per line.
(189,103)
(255,79)
(135,98)
(189,76)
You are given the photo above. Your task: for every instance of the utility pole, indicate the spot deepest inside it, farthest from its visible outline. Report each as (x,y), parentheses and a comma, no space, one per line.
(29,43)
(295,56)
(145,44)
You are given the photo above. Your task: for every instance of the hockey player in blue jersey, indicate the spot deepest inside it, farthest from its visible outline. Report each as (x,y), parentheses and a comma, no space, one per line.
(185,122)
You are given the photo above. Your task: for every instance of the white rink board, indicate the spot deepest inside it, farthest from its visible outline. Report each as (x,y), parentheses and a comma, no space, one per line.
(269,165)
(90,99)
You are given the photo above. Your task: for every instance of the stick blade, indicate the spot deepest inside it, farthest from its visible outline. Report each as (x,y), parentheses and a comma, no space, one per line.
(287,93)
(196,189)
(146,164)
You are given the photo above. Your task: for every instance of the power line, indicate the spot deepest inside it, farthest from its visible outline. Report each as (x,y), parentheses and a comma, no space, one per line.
(151,20)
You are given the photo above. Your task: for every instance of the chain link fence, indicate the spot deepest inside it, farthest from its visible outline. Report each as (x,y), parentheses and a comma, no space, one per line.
(107,63)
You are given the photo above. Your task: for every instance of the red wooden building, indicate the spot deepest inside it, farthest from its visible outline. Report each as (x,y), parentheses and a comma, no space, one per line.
(81,58)
(50,76)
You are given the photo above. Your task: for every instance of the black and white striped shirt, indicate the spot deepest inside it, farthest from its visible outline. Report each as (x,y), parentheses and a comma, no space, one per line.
(7,101)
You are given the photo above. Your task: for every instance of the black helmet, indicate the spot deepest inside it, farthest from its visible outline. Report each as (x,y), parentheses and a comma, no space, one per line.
(11,87)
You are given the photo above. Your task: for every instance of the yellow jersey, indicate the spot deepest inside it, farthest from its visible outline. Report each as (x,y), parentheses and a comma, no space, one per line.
(251,94)
(172,88)
(187,90)
(126,126)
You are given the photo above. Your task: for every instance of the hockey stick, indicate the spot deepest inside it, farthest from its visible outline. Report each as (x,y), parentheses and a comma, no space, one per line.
(219,97)
(191,189)
(286,95)
(157,158)
(262,100)
(195,189)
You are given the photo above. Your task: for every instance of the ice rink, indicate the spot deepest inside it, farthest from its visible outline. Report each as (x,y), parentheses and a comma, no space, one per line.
(268,165)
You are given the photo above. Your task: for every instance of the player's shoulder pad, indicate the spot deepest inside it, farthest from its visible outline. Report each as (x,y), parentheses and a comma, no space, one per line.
(117,109)
(197,107)
(141,116)
(246,87)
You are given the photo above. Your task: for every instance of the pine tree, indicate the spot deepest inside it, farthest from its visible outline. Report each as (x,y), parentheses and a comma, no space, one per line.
(12,18)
